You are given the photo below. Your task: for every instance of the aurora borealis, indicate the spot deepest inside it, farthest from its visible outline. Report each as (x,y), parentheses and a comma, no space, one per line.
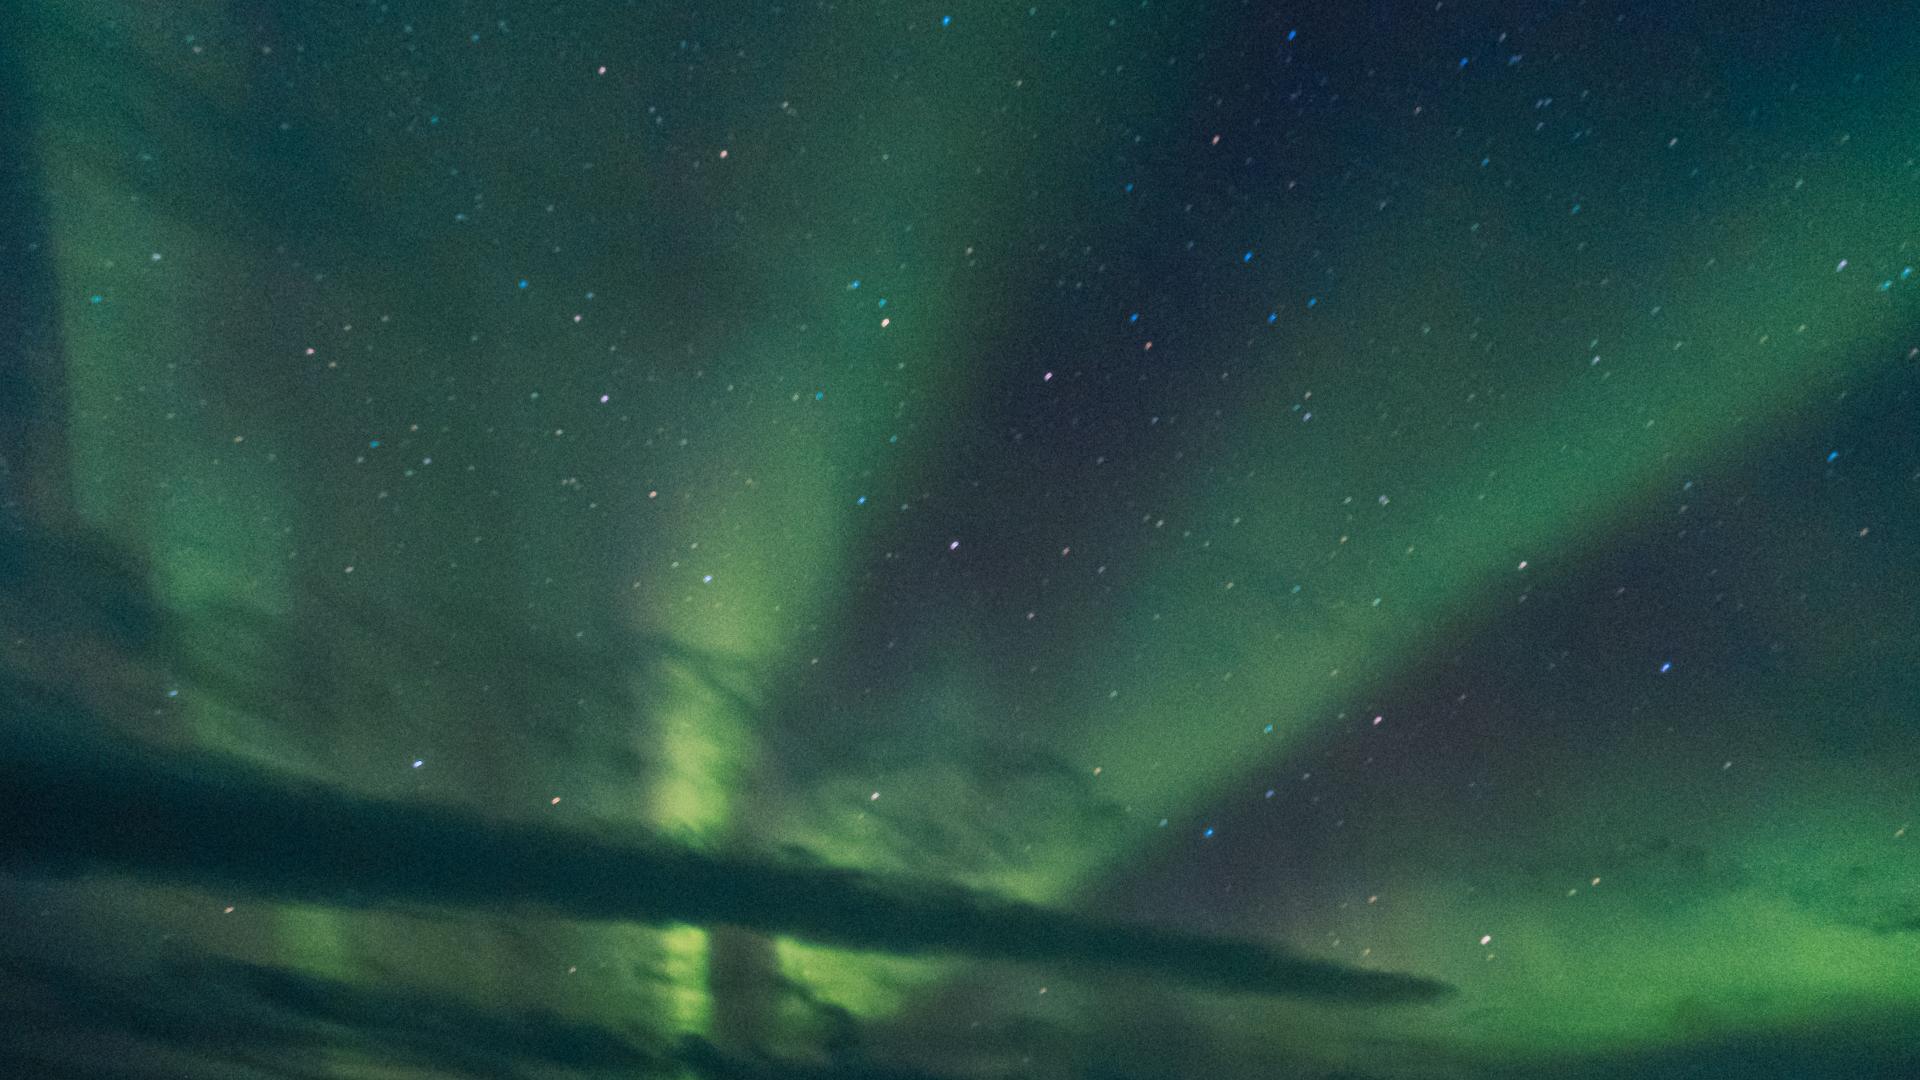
(1368,541)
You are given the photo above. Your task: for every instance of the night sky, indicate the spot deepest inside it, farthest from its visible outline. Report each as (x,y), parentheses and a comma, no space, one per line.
(1358,541)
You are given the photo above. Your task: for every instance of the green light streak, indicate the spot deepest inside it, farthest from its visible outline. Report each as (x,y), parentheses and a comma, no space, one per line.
(1579,457)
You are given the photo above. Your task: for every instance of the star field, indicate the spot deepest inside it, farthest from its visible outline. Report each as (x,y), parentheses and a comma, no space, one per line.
(1117,540)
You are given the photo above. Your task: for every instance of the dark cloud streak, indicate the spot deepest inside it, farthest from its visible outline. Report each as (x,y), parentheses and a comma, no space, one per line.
(210,822)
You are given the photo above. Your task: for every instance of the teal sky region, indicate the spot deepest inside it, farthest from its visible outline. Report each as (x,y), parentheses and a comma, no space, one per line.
(1115,540)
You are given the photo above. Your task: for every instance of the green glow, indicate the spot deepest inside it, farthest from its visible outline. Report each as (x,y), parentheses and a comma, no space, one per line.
(1571,457)
(760,511)
(1560,477)
(703,741)
(869,986)
(684,950)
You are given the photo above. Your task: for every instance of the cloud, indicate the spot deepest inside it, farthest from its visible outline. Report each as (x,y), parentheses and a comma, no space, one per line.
(204,1017)
(206,821)
(220,1010)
